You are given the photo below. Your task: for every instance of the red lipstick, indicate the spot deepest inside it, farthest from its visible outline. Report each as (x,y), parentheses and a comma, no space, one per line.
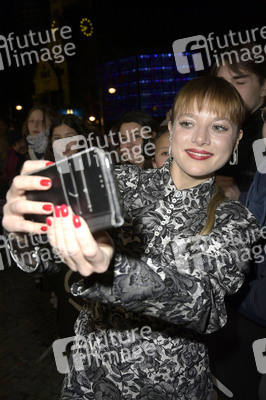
(197,154)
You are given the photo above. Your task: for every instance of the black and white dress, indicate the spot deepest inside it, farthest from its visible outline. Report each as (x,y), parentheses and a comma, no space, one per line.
(137,336)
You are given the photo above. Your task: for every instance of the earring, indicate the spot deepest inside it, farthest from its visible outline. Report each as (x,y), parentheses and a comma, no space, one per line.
(234,157)
(170,146)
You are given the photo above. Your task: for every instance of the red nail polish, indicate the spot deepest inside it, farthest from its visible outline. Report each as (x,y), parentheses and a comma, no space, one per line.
(49,163)
(44,228)
(47,207)
(45,182)
(49,222)
(64,210)
(57,211)
(76,221)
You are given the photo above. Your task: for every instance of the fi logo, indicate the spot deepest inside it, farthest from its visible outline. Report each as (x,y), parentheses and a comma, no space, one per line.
(6,55)
(66,147)
(259,350)
(191,54)
(65,347)
(259,149)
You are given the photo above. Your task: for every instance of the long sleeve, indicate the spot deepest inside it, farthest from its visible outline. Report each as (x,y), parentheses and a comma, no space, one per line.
(253,305)
(187,283)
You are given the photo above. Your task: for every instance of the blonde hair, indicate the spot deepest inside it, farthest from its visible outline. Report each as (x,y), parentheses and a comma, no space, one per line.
(214,94)
(221,98)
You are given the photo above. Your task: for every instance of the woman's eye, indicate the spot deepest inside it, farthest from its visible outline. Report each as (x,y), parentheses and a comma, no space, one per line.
(165,153)
(136,137)
(220,128)
(241,82)
(185,124)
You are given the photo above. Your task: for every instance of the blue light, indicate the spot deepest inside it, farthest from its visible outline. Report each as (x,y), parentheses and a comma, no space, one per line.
(76,111)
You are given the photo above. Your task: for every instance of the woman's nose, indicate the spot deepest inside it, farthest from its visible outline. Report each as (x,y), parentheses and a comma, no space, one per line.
(201,136)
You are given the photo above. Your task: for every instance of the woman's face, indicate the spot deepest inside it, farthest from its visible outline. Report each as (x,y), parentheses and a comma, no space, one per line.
(64,132)
(202,142)
(247,84)
(36,123)
(161,150)
(130,139)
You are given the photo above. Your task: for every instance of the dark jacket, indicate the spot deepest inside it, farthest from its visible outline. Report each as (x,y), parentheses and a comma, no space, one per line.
(251,300)
(245,170)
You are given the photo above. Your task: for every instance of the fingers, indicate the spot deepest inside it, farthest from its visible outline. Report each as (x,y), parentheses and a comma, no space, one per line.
(33,165)
(69,243)
(72,240)
(14,221)
(17,205)
(23,183)
(22,225)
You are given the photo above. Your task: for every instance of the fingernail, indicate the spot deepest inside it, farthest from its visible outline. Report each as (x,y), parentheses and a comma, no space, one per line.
(45,182)
(76,221)
(44,228)
(57,211)
(49,163)
(49,222)
(64,210)
(47,207)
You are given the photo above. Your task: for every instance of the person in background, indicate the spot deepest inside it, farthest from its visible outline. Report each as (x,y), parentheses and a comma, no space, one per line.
(248,76)
(36,130)
(65,126)
(251,300)
(167,118)
(233,365)
(157,282)
(134,132)
(162,144)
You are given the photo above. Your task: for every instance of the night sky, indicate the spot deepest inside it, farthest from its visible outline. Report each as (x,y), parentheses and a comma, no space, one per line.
(120,29)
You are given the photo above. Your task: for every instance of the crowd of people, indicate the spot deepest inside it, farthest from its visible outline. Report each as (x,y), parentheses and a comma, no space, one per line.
(145,293)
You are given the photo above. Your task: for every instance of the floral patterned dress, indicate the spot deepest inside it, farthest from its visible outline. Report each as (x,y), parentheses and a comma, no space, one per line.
(166,283)
(137,336)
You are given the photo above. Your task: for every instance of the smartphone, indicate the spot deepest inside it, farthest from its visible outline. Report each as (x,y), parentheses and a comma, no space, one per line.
(86,182)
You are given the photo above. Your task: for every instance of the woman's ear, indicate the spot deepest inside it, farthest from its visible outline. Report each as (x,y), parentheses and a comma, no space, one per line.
(239,137)
(170,126)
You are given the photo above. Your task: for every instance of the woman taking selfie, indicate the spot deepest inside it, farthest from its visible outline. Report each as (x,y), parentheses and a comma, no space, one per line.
(162,277)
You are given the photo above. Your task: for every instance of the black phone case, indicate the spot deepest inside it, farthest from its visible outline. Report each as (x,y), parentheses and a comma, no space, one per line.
(85,182)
